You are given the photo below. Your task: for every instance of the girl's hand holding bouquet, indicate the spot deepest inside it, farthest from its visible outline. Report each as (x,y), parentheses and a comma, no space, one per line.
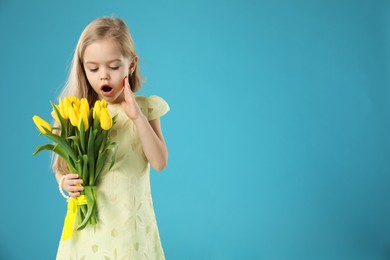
(73,184)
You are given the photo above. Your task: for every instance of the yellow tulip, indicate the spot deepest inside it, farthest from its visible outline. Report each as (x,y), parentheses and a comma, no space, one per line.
(84,106)
(105,119)
(54,114)
(76,110)
(42,124)
(73,117)
(62,110)
(77,101)
(103,103)
(96,109)
(67,105)
(83,119)
(73,99)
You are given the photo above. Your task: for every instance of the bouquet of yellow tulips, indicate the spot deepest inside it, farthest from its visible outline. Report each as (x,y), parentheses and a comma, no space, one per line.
(83,142)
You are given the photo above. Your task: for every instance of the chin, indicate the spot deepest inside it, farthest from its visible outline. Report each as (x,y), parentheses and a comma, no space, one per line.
(114,100)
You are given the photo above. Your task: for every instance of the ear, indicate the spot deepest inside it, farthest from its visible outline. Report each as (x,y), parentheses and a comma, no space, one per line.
(133,65)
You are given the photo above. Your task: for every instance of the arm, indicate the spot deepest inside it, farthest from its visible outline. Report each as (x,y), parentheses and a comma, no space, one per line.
(152,141)
(71,182)
(149,132)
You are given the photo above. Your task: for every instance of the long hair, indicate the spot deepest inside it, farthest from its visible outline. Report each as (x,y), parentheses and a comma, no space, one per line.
(77,83)
(99,29)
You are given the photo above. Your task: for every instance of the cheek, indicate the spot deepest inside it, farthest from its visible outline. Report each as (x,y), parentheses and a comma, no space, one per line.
(119,75)
(90,77)
(92,81)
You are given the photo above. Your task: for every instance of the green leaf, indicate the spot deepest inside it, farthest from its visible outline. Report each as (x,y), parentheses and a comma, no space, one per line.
(114,120)
(103,145)
(82,137)
(95,123)
(63,143)
(74,138)
(91,156)
(100,163)
(76,148)
(98,143)
(114,148)
(85,168)
(40,148)
(61,152)
(91,205)
(62,120)
(79,166)
(58,150)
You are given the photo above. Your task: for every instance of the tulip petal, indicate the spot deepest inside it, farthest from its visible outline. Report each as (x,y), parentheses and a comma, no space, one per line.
(105,119)
(61,119)
(43,126)
(74,120)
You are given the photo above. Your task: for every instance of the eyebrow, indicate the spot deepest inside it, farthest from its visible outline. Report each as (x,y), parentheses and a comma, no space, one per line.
(111,61)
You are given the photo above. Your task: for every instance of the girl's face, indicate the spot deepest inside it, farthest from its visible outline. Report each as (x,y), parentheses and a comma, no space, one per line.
(106,68)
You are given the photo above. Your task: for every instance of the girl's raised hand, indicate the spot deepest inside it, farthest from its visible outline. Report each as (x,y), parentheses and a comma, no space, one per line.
(72,184)
(129,104)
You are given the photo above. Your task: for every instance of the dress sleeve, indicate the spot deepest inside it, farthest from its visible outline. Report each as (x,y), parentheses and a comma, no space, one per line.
(157,107)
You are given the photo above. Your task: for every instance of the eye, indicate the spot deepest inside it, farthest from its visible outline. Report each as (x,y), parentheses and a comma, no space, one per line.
(115,68)
(93,70)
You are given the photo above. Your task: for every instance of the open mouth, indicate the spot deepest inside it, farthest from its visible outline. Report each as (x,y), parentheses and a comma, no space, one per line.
(106,89)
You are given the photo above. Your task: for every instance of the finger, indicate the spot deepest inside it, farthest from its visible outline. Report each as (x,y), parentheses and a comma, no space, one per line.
(75,188)
(74,194)
(69,185)
(72,176)
(73,181)
(125,87)
(127,84)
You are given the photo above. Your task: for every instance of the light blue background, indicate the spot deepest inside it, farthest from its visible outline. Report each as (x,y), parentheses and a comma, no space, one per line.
(278,134)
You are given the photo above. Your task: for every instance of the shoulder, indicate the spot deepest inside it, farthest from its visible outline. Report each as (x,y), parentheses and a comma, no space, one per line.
(150,99)
(141,100)
(152,106)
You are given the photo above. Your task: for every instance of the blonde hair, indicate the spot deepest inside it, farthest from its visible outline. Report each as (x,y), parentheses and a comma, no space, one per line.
(100,29)
(77,84)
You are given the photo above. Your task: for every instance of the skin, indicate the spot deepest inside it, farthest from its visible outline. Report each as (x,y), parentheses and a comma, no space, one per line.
(105,65)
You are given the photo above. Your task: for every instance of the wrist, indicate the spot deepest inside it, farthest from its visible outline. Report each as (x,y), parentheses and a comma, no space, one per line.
(140,118)
(61,180)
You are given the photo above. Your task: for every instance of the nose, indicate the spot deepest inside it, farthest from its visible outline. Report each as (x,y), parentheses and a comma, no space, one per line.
(104,75)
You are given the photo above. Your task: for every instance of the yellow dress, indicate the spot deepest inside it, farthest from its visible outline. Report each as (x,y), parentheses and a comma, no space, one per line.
(127,227)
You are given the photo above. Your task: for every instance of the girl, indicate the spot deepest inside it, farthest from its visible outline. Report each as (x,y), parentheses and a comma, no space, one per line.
(105,67)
